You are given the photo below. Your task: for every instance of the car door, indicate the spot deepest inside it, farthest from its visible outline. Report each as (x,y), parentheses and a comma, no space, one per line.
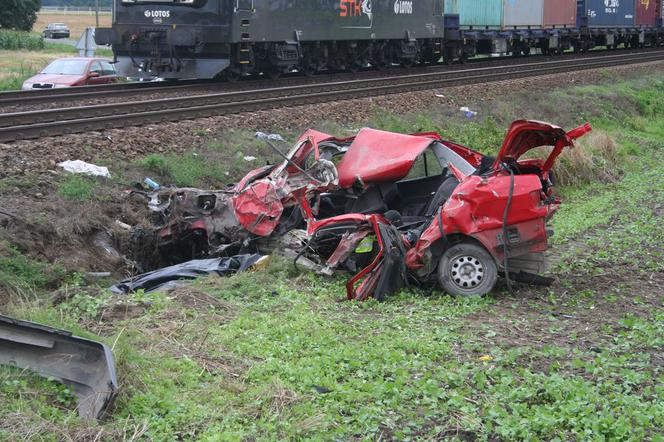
(108,72)
(95,73)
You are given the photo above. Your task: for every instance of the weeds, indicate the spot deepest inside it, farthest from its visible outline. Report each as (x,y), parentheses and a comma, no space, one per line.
(76,188)
(188,170)
(19,272)
(15,40)
(194,169)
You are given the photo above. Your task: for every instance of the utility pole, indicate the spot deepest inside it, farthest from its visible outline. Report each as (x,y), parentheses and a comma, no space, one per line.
(97,12)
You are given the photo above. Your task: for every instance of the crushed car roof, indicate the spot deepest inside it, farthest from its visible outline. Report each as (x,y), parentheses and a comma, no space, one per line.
(377,156)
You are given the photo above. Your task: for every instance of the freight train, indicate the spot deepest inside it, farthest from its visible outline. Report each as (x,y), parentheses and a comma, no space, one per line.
(203,39)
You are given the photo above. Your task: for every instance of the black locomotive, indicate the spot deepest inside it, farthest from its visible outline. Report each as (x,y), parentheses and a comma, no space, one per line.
(202,39)
(208,38)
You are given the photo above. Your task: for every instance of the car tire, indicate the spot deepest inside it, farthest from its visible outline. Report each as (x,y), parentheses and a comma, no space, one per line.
(467,269)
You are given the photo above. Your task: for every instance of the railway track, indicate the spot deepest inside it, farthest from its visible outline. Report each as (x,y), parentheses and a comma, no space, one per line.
(71,96)
(53,122)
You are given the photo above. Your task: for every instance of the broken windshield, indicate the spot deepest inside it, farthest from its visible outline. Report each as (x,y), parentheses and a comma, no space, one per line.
(448,156)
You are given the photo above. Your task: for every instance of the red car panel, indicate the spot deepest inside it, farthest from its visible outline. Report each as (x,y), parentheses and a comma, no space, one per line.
(378,156)
(478,205)
(525,135)
(93,73)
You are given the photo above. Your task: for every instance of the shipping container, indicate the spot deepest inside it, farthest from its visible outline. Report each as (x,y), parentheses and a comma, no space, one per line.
(522,14)
(477,14)
(559,14)
(609,13)
(647,12)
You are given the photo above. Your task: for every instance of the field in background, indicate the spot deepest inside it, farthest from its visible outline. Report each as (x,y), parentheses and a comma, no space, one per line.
(77,22)
(17,66)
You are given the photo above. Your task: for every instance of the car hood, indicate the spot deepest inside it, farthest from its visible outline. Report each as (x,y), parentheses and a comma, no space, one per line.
(378,156)
(55,79)
(525,135)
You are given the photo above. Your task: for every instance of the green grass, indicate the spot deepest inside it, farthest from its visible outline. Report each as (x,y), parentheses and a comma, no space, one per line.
(77,188)
(25,54)
(18,272)
(274,355)
(184,171)
(15,40)
(215,164)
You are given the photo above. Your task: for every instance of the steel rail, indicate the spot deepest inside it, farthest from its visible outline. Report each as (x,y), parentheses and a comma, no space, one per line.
(136,114)
(10,98)
(79,112)
(17,98)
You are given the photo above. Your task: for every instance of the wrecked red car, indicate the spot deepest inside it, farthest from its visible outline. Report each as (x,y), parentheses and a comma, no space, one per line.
(394,209)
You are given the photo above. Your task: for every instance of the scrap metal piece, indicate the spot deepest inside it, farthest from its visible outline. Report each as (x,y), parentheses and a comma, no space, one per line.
(174,275)
(85,366)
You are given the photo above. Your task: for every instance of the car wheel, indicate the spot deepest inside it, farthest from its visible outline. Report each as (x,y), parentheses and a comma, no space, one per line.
(467,269)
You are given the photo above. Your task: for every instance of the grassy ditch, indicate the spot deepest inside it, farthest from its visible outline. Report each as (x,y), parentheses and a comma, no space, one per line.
(275,355)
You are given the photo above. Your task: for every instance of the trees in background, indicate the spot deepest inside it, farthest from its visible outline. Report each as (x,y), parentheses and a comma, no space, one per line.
(19,14)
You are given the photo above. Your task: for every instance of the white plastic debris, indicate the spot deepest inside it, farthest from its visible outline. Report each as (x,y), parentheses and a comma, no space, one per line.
(78,166)
(123,226)
(467,112)
(271,137)
(250,158)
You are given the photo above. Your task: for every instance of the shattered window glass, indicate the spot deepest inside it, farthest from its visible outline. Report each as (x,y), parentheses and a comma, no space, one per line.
(426,165)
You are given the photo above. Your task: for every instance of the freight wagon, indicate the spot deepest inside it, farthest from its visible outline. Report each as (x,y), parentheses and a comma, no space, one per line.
(233,38)
(551,26)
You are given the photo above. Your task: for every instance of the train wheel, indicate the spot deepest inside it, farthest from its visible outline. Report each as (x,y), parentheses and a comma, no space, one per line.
(232,75)
(380,65)
(354,67)
(407,63)
(308,69)
(274,73)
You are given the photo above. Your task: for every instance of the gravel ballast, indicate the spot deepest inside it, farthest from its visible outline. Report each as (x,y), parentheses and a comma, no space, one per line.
(38,156)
